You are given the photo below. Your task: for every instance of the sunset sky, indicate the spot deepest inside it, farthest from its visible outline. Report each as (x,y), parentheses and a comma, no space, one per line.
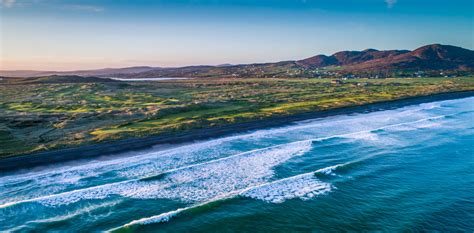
(69,35)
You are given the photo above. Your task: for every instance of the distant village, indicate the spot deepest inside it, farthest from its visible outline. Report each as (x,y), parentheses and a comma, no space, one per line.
(337,72)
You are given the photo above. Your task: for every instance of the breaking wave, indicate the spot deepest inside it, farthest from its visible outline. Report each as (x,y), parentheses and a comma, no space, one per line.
(214,177)
(192,183)
(304,186)
(269,166)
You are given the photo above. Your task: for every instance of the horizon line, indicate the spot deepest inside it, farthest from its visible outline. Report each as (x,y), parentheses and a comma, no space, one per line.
(213,65)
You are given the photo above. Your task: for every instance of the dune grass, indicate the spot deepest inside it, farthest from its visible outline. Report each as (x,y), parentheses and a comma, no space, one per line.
(35,117)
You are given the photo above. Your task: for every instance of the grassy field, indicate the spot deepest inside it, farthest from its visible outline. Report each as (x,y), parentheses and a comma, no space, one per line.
(35,117)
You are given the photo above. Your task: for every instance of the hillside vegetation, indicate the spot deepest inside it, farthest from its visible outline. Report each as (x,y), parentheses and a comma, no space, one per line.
(426,61)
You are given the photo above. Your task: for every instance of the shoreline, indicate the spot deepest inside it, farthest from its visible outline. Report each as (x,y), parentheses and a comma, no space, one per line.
(112,147)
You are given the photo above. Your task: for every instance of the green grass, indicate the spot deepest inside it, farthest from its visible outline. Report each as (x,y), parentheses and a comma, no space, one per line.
(36,117)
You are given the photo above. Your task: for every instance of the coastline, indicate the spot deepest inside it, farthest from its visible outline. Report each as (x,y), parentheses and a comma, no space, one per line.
(124,145)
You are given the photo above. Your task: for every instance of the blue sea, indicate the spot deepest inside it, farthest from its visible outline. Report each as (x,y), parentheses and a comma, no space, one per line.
(407,169)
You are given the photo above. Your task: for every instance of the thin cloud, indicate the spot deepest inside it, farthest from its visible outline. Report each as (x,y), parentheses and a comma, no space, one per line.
(75,7)
(7,3)
(89,8)
(390,3)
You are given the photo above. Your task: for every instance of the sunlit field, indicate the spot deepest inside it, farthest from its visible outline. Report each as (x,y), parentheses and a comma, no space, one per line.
(49,113)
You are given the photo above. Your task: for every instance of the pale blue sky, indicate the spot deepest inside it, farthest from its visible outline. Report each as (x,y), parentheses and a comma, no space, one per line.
(65,35)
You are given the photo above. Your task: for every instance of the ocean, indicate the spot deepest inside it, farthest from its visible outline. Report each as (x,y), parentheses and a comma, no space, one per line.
(407,169)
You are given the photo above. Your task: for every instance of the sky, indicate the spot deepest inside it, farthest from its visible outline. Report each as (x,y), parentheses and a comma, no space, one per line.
(90,34)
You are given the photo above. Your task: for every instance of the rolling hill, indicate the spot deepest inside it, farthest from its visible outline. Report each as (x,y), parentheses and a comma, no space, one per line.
(95,72)
(430,58)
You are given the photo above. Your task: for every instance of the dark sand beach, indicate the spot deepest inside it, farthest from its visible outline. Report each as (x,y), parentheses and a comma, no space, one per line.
(114,147)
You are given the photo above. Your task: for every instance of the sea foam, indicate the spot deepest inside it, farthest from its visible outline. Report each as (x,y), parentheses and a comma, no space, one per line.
(198,182)
(193,183)
(304,186)
(152,163)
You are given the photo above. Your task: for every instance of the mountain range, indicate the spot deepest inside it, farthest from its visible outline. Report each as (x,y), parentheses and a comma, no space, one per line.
(429,57)
(435,57)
